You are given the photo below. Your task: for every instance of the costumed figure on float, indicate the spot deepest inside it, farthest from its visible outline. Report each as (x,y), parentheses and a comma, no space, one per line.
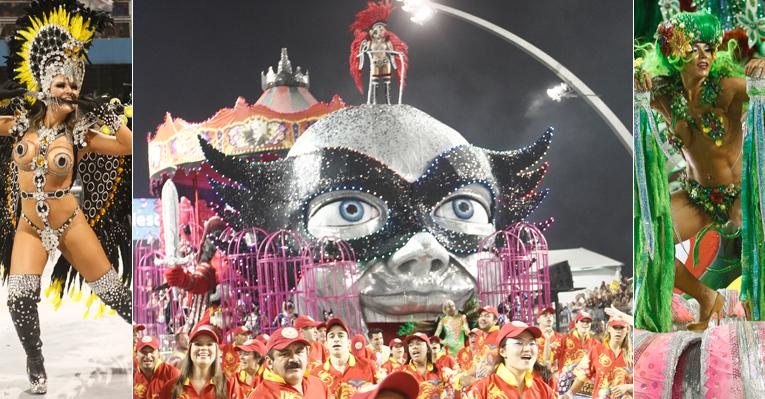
(385,51)
(695,80)
(52,136)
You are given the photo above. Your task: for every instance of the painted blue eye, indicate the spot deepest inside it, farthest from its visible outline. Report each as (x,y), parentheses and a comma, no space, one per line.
(352,210)
(345,214)
(463,208)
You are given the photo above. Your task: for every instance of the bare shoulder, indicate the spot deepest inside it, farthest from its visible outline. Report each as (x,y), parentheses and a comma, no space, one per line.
(732,90)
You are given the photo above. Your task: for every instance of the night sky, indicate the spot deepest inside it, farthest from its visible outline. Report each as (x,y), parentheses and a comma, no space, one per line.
(191,58)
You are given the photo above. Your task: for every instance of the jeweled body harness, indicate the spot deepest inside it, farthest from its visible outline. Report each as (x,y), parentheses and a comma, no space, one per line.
(49,236)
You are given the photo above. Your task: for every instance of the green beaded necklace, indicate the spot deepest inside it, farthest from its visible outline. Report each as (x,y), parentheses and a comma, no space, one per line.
(712,125)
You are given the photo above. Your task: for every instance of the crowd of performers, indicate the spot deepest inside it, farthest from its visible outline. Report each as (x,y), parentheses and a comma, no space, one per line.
(325,359)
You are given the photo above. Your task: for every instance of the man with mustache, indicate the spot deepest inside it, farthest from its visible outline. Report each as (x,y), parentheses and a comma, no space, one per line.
(151,373)
(343,373)
(285,376)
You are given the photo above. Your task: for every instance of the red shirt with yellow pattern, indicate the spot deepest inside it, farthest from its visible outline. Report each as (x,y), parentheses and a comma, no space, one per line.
(148,388)
(606,368)
(573,349)
(432,381)
(504,385)
(358,372)
(207,392)
(274,387)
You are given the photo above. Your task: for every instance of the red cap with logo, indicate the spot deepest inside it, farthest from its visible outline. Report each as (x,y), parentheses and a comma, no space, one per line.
(138,327)
(418,335)
(145,341)
(435,340)
(252,345)
(263,338)
(241,330)
(285,337)
(489,309)
(208,329)
(305,321)
(516,328)
(400,382)
(582,316)
(396,342)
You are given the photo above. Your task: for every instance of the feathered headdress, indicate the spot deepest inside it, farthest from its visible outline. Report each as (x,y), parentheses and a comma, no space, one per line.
(374,13)
(52,39)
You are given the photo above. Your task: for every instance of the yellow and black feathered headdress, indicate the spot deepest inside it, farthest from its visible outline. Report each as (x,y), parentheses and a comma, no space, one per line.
(52,39)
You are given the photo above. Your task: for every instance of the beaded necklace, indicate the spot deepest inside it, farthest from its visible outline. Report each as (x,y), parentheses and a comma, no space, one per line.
(712,125)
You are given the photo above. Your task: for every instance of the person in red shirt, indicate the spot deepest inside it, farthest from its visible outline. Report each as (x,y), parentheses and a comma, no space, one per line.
(431,379)
(399,385)
(359,348)
(549,344)
(285,377)
(343,373)
(201,374)
(608,364)
(488,317)
(575,345)
(397,357)
(472,360)
(514,377)
(231,359)
(441,357)
(317,353)
(252,355)
(151,373)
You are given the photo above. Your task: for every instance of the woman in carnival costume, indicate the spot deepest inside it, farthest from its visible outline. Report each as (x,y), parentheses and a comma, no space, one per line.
(48,138)
(699,90)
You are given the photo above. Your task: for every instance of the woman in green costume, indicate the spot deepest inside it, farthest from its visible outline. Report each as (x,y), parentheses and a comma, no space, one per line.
(454,327)
(700,91)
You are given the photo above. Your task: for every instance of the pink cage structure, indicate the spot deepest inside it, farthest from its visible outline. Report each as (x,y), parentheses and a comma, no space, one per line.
(238,277)
(281,259)
(329,284)
(513,271)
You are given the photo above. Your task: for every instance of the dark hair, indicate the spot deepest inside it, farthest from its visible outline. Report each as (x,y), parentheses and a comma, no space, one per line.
(373,331)
(36,115)
(429,358)
(544,372)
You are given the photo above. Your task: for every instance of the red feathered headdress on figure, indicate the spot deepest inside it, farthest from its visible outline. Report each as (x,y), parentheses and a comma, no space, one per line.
(375,12)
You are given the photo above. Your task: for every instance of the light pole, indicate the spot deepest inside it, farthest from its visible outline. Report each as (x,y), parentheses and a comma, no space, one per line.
(422,10)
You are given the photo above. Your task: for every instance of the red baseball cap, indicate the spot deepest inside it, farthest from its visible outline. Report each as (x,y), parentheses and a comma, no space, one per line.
(581,316)
(253,345)
(145,341)
(138,327)
(616,322)
(417,336)
(240,330)
(435,340)
(337,322)
(263,338)
(476,331)
(489,309)
(285,337)
(399,382)
(516,328)
(205,329)
(396,342)
(305,321)
(548,309)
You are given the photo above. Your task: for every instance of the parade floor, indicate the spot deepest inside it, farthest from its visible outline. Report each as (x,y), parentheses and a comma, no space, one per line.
(83,358)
